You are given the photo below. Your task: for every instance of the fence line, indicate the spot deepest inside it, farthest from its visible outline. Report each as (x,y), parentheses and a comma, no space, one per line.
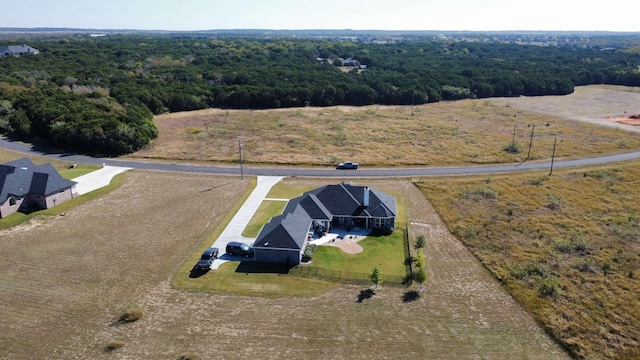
(347,277)
(407,255)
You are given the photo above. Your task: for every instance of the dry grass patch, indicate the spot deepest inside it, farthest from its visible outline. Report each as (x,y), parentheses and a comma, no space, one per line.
(460,132)
(127,246)
(566,246)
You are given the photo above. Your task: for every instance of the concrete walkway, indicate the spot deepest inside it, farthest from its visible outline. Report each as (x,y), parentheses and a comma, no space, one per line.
(97,179)
(233,231)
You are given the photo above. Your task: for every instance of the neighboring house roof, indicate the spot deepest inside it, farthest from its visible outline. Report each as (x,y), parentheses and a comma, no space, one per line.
(17,50)
(289,230)
(22,177)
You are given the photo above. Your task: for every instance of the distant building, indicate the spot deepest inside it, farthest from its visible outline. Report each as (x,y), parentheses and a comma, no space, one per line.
(17,50)
(25,186)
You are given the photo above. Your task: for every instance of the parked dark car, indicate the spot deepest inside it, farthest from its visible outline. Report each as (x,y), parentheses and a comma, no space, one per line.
(238,248)
(207,258)
(347,165)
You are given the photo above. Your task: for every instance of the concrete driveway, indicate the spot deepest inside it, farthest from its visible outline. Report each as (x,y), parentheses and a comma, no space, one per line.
(233,231)
(97,179)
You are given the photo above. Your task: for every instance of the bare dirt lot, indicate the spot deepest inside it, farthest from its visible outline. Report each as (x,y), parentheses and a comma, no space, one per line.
(602,105)
(65,280)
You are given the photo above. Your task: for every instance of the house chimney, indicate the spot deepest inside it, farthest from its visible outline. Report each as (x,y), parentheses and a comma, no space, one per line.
(365,201)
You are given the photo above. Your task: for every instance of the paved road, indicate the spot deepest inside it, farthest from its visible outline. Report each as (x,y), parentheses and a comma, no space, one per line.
(316,172)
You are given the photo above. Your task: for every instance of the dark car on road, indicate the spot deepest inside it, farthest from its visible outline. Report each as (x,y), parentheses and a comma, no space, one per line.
(238,248)
(347,166)
(207,258)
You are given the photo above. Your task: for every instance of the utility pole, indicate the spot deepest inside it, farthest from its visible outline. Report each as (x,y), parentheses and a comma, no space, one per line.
(531,141)
(240,150)
(553,155)
(413,98)
(513,138)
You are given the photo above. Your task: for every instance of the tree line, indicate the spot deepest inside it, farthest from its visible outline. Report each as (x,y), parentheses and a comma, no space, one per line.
(101,93)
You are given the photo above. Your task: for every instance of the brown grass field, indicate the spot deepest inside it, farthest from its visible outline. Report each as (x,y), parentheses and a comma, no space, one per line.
(446,133)
(65,280)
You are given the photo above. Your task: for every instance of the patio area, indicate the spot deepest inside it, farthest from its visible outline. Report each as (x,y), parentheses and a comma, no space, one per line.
(339,234)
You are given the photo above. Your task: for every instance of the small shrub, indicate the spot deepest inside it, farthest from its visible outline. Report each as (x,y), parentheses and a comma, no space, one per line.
(131,313)
(549,287)
(538,180)
(189,356)
(513,148)
(113,345)
(479,193)
(307,256)
(420,260)
(586,267)
(553,203)
(420,242)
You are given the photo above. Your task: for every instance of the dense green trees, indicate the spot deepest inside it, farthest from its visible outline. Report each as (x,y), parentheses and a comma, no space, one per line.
(100,93)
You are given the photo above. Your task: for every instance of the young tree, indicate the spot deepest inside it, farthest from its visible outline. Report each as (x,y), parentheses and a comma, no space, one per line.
(419,259)
(420,242)
(376,276)
(420,276)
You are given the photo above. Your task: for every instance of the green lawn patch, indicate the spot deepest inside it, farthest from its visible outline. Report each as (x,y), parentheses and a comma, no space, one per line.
(385,251)
(265,212)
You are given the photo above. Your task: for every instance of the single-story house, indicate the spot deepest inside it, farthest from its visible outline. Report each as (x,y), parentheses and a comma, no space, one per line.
(351,62)
(283,239)
(17,50)
(25,186)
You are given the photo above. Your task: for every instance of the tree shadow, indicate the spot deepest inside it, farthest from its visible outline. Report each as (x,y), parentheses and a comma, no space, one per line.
(411,295)
(365,294)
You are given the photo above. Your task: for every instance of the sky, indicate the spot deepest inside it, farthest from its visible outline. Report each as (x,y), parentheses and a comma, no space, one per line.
(188,15)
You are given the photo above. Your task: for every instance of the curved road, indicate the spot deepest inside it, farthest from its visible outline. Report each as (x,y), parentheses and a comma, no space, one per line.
(292,171)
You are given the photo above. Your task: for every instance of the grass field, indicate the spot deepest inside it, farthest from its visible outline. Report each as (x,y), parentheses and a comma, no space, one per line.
(564,247)
(461,132)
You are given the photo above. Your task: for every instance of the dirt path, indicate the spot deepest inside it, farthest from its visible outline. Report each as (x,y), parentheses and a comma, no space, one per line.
(601,105)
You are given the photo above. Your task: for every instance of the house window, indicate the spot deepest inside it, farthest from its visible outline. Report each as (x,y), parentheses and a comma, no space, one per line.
(12,202)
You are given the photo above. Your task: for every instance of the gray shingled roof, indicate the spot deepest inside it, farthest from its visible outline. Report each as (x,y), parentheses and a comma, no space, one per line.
(289,231)
(345,199)
(17,49)
(22,177)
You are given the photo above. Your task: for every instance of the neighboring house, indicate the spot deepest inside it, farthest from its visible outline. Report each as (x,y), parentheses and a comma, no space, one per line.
(25,186)
(350,62)
(283,239)
(17,50)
